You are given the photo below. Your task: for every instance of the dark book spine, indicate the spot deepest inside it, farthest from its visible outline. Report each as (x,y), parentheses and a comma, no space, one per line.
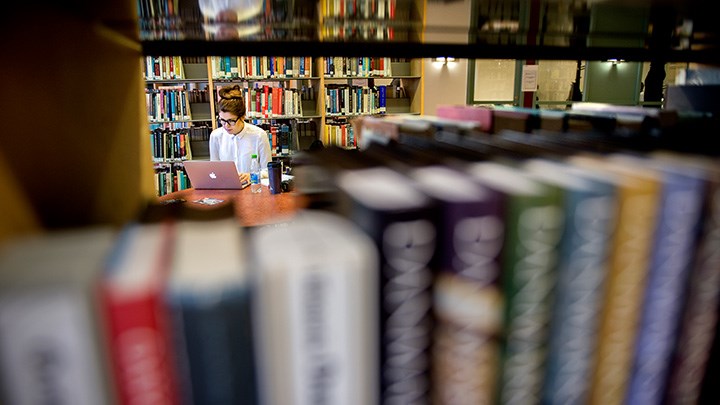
(407,247)
(700,315)
(468,303)
(710,392)
(406,239)
(217,348)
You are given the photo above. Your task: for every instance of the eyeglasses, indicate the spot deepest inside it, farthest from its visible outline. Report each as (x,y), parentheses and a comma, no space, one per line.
(229,122)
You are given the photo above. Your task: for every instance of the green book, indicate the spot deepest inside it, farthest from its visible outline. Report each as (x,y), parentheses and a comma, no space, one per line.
(534,219)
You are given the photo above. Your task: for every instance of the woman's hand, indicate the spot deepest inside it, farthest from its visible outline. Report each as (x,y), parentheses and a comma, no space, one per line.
(244,177)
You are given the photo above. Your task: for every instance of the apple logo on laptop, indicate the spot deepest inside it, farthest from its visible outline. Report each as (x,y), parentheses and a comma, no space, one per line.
(212,175)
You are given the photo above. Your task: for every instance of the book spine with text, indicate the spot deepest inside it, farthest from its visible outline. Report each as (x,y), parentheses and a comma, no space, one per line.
(583,261)
(131,292)
(467,299)
(316,315)
(700,315)
(382,99)
(52,349)
(628,265)
(533,220)
(679,213)
(400,220)
(208,300)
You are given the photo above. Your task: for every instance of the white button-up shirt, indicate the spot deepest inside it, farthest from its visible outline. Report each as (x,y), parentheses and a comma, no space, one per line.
(240,147)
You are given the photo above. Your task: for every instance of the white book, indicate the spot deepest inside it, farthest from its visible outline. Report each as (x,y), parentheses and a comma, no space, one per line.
(50,337)
(315,312)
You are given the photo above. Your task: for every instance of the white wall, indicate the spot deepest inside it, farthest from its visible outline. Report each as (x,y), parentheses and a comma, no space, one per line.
(446,84)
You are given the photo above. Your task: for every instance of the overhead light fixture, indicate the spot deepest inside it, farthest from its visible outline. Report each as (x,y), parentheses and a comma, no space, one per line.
(615,61)
(444,60)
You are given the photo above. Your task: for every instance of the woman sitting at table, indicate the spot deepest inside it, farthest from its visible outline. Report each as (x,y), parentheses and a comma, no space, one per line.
(235,139)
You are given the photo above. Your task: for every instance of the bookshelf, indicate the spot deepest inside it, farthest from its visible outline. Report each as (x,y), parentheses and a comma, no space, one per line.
(177,98)
(281,96)
(106,140)
(361,86)
(303,99)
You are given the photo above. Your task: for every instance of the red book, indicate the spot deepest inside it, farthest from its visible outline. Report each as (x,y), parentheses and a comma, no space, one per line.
(258,102)
(273,132)
(265,107)
(137,327)
(277,98)
(156,68)
(183,139)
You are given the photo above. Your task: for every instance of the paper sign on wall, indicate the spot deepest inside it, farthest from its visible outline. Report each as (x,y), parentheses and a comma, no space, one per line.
(529,77)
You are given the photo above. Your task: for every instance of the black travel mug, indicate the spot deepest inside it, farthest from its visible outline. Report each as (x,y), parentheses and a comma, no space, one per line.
(275,177)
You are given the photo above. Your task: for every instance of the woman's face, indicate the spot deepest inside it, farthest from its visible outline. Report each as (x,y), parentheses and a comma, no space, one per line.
(231,122)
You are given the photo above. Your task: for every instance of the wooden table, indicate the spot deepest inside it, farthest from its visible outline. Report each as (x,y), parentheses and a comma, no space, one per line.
(250,209)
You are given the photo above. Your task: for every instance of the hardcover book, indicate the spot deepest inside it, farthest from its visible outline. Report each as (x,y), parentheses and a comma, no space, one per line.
(533,219)
(401,222)
(382,99)
(208,298)
(132,295)
(638,195)
(679,214)
(515,119)
(315,311)
(699,319)
(467,297)
(590,205)
(482,116)
(52,349)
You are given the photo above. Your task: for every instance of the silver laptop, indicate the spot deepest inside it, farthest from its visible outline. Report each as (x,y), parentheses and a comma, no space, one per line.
(213,175)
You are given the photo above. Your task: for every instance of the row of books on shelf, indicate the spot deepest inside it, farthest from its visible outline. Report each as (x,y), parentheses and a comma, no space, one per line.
(167,103)
(359,9)
(422,270)
(164,68)
(259,67)
(351,99)
(637,127)
(267,67)
(280,135)
(199,95)
(158,8)
(272,100)
(167,311)
(340,66)
(363,31)
(169,178)
(307,134)
(170,144)
(556,272)
(339,132)
(177,144)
